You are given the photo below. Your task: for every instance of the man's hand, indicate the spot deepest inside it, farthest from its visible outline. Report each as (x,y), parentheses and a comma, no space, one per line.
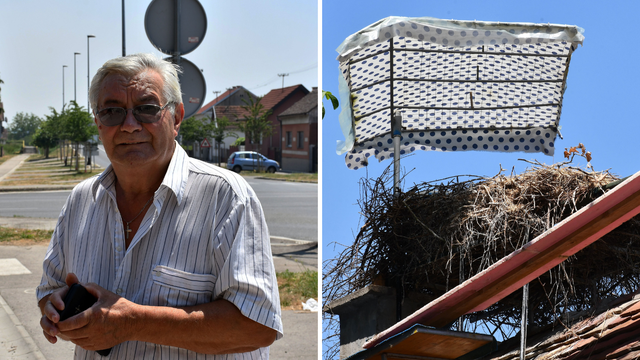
(102,326)
(49,306)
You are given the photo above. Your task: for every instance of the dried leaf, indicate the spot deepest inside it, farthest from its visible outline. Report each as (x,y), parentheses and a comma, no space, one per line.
(588,155)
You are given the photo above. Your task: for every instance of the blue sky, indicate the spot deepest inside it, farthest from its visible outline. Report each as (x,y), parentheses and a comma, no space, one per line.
(597,111)
(248,43)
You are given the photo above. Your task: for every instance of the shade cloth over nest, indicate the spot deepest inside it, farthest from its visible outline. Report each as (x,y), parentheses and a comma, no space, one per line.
(458,85)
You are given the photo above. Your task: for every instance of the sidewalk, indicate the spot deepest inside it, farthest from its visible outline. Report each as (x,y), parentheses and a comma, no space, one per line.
(11,165)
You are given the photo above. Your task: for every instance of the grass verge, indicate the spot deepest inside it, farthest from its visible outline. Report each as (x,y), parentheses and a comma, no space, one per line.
(11,236)
(296,288)
(300,177)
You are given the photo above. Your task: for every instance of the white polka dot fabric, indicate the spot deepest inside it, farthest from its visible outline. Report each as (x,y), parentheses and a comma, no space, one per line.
(457,85)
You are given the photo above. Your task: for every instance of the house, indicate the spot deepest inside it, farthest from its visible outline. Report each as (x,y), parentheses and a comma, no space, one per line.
(299,129)
(228,104)
(277,100)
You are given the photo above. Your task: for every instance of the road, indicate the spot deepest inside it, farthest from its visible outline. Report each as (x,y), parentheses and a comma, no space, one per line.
(291,209)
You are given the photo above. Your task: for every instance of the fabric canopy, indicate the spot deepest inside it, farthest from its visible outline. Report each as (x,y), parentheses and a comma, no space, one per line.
(457,85)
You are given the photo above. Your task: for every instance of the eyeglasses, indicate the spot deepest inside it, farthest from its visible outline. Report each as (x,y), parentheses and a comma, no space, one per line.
(146,113)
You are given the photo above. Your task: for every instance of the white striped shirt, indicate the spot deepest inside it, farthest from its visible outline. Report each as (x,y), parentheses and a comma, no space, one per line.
(203,238)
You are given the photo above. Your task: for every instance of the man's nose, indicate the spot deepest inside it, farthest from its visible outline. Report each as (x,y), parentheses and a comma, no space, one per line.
(130,123)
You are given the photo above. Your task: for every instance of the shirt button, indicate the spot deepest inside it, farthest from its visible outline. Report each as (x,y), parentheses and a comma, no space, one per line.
(119,291)
(119,248)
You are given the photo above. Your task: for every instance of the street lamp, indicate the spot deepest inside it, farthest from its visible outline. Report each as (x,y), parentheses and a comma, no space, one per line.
(63,66)
(88,104)
(74,76)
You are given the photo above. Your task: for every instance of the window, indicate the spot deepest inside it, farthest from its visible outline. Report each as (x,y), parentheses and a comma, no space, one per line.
(289,139)
(300,139)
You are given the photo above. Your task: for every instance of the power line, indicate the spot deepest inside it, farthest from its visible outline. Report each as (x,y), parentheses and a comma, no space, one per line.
(271,80)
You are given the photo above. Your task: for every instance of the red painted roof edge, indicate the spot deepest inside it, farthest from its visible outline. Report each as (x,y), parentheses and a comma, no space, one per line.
(505,265)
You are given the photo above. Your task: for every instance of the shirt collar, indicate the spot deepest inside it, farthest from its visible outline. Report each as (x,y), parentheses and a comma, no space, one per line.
(177,172)
(175,178)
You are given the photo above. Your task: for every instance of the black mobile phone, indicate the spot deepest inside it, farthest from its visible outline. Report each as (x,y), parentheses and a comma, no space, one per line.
(77,300)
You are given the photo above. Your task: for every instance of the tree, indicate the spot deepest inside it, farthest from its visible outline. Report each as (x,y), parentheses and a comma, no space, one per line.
(44,139)
(78,126)
(23,126)
(255,125)
(192,130)
(219,132)
(50,131)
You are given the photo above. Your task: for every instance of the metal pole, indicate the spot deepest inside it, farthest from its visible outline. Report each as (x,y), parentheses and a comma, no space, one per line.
(176,56)
(396,128)
(74,76)
(63,66)
(523,323)
(124,52)
(88,73)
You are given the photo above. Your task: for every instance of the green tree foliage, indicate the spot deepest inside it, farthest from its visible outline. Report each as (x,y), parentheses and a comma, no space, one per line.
(255,125)
(50,131)
(219,132)
(193,130)
(1,109)
(44,139)
(78,126)
(23,126)
(239,141)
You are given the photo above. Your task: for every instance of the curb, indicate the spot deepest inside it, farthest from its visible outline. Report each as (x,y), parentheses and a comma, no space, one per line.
(16,339)
(283,245)
(285,180)
(22,188)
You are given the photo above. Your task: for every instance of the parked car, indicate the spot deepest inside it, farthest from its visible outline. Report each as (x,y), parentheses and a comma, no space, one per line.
(250,160)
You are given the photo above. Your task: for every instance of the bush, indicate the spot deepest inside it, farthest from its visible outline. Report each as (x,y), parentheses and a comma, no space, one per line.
(12,147)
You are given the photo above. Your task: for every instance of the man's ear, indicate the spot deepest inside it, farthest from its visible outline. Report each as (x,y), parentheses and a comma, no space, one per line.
(178,116)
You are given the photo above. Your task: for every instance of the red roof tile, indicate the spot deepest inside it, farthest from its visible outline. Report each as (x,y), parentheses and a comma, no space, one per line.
(615,335)
(276,96)
(232,112)
(224,95)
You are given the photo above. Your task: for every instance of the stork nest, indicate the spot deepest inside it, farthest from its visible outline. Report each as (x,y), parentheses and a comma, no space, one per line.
(437,234)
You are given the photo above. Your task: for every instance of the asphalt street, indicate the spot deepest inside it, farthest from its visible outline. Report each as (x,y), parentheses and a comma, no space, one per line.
(291,209)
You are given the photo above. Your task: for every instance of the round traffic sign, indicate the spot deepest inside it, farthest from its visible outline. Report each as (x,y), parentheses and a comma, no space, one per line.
(192,85)
(159,24)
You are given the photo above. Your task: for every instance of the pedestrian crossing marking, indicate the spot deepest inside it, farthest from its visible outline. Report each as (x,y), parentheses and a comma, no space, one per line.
(12,267)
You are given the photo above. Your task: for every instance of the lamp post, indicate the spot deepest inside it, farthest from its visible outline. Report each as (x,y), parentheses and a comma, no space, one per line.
(74,76)
(88,74)
(63,66)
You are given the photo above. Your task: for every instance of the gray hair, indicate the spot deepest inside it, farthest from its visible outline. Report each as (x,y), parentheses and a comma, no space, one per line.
(132,65)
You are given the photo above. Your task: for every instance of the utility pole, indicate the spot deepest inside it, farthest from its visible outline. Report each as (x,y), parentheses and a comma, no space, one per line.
(216,94)
(124,52)
(283,75)
(74,75)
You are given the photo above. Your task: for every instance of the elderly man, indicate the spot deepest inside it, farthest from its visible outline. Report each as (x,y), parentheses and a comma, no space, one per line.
(175,250)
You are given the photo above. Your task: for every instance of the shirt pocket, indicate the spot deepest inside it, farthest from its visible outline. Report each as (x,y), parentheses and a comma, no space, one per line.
(173,287)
